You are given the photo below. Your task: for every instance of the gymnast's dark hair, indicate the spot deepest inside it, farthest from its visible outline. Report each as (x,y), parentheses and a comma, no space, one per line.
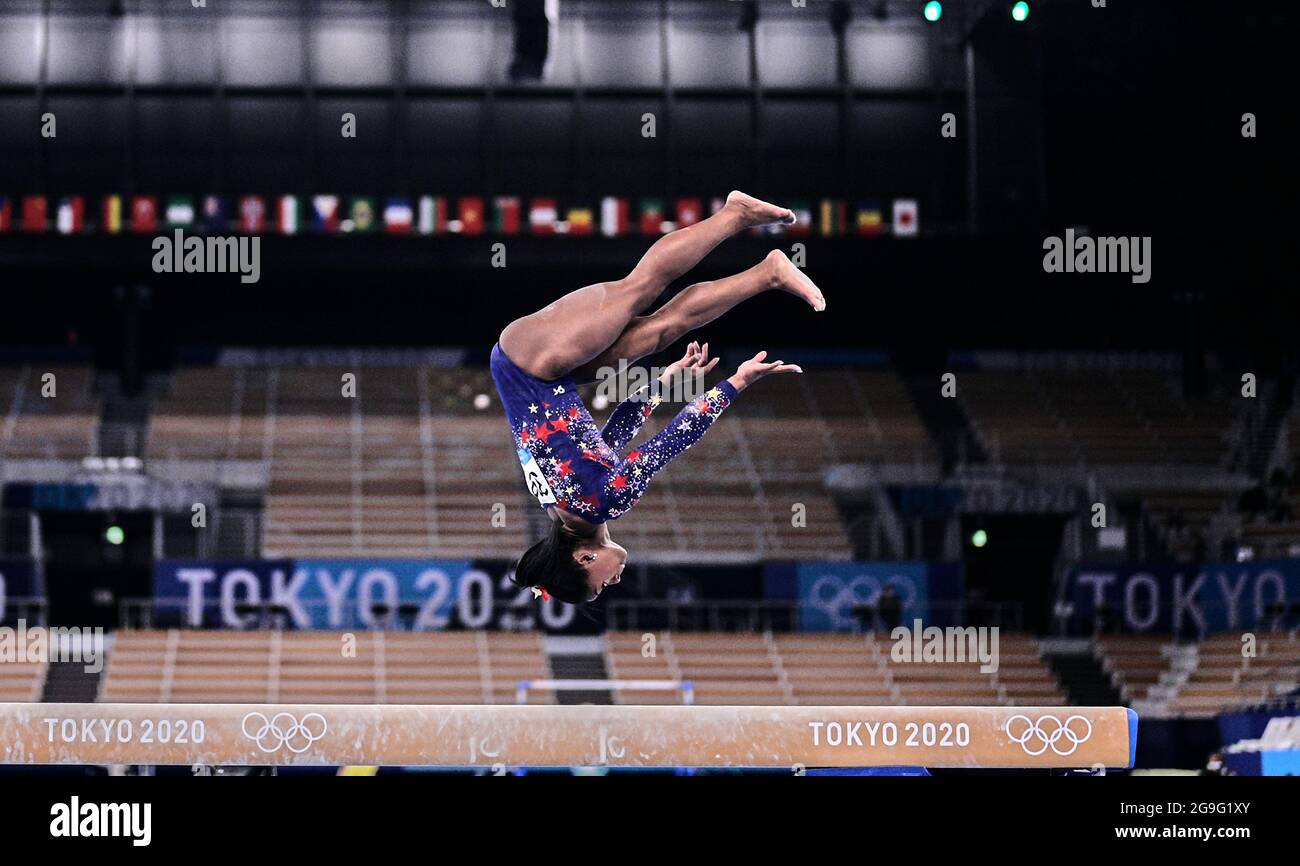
(549,564)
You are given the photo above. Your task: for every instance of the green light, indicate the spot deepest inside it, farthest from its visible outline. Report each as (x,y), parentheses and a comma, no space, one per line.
(114,535)
(933,10)
(979,538)
(1020,11)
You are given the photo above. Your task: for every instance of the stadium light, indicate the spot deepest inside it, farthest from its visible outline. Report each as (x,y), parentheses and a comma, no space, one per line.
(979,538)
(933,11)
(114,535)
(1020,11)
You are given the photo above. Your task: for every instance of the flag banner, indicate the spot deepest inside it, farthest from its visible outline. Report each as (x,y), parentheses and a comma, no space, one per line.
(581,221)
(144,213)
(398,216)
(325,214)
(214,215)
(180,212)
(35,218)
(252,214)
(689,211)
(907,223)
(433,215)
(288,215)
(71,215)
(832,217)
(652,216)
(614,216)
(505,215)
(542,216)
(361,215)
(870,219)
(110,216)
(473,219)
(803,219)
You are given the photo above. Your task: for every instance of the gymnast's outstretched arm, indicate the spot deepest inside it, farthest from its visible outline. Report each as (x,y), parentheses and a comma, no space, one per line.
(630,476)
(626,420)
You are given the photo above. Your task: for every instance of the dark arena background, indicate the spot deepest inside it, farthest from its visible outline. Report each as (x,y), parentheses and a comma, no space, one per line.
(1032,504)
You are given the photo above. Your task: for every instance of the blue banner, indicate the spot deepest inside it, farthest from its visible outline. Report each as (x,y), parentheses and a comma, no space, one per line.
(830,591)
(354,594)
(1212,596)
(128,492)
(984,497)
(1280,763)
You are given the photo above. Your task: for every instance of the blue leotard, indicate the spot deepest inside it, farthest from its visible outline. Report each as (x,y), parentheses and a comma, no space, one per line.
(568,462)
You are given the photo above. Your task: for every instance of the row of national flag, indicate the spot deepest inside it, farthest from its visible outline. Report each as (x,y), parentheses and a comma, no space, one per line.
(427,215)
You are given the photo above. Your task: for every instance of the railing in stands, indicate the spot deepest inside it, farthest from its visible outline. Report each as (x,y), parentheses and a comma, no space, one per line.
(33,611)
(784,615)
(747,615)
(1290,701)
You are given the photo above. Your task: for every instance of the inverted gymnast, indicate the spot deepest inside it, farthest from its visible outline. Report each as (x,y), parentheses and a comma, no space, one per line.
(577,471)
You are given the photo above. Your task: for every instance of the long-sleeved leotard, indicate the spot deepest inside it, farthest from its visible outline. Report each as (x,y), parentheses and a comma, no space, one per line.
(629,416)
(569,462)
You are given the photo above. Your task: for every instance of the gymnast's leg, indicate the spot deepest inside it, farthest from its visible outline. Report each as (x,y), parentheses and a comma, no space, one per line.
(581,325)
(699,304)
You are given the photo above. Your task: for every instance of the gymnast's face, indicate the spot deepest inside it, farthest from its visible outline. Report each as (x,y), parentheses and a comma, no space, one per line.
(604,562)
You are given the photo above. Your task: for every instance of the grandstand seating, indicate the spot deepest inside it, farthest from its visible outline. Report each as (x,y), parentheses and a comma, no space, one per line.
(465,667)
(1094,417)
(211,413)
(1224,677)
(485,667)
(370,476)
(1200,679)
(410,468)
(320,667)
(1134,418)
(1276,537)
(827,670)
(1135,662)
(37,427)
(1022,678)
(725,668)
(21,680)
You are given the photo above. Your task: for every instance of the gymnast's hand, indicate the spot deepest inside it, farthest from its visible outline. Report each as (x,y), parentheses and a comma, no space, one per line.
(756,368)
(694,363)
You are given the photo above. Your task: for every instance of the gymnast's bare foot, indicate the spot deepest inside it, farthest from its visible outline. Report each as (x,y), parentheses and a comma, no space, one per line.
(789,278)
(757,212)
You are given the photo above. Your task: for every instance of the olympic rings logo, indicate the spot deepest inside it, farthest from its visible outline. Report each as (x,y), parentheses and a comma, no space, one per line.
(1037,738)
(836,597)
(283,730)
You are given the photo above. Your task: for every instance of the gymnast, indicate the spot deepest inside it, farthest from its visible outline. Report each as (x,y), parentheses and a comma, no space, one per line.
(578,472)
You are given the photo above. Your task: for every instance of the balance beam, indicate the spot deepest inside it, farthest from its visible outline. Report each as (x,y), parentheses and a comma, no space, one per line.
(565,736)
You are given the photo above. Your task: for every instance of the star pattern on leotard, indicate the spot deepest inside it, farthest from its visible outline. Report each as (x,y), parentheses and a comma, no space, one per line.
(628,481)
(580,461)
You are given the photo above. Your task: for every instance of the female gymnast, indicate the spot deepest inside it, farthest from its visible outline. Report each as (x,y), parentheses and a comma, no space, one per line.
(576,471)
